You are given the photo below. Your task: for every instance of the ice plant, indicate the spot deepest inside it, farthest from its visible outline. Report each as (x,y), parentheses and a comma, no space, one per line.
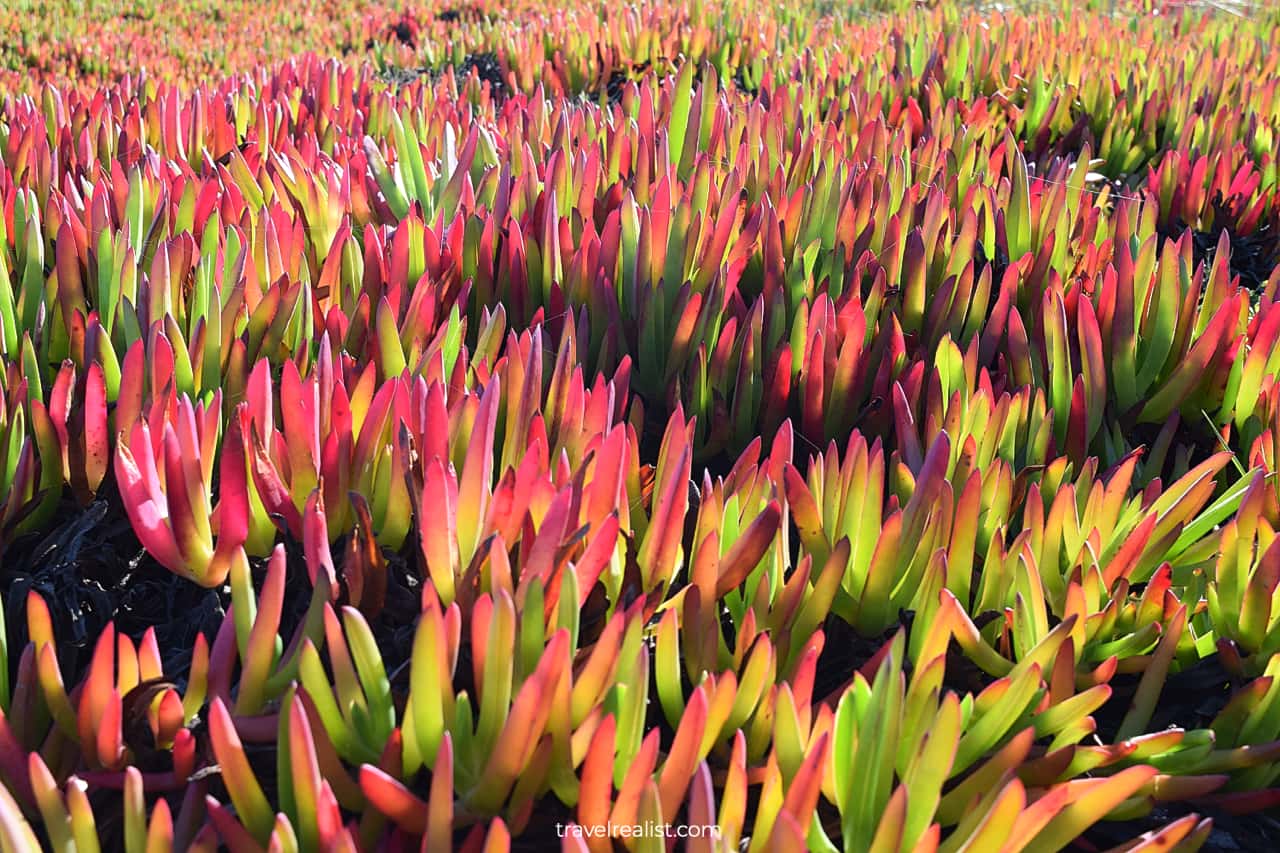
(890,398)
(1241,597)
(22,474)
(164,467)
(336,440)
(75,422)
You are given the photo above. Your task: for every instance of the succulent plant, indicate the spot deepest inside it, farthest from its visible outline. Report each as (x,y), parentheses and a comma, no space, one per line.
(640,417)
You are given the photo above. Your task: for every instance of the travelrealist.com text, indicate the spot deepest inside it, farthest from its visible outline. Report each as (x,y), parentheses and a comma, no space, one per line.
(650,829)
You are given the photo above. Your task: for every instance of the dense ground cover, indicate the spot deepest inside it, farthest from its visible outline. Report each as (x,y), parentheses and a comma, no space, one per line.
(440,425)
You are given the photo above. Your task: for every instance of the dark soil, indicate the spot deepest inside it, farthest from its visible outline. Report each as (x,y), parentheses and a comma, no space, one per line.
(1190,700)
(400,77)
(405,33)
(1253,256)
(616,86)
(998,264)
(488,69)
(468,13)
(844,652)
(90,570)
(486,66)
(1231,833)
(741,84)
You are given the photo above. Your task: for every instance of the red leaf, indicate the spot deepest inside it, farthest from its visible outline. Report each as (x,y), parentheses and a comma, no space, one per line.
(394,800)
(750,547)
